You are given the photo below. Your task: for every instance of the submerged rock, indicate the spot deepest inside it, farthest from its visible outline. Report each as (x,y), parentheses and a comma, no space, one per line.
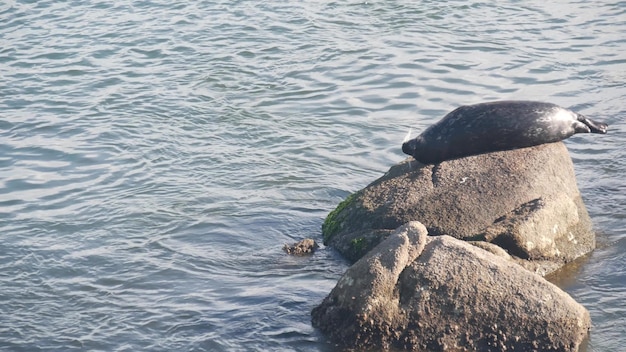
(438,293)
(526,201)
(303,247)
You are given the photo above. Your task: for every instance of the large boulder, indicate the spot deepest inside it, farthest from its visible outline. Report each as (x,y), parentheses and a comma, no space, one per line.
(525,201)
(423,293)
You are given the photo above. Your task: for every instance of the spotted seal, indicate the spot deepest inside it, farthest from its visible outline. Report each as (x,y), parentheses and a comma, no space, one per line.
(495,126)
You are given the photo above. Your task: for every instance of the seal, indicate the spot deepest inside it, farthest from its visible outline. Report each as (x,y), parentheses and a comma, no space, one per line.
(495,126)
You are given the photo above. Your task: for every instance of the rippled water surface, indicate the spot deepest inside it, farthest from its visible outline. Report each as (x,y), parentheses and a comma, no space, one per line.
(156,155)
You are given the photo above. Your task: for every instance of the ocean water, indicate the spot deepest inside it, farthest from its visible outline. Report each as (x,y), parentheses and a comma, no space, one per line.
(156,155)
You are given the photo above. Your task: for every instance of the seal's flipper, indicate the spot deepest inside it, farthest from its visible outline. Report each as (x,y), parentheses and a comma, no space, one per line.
(594,126)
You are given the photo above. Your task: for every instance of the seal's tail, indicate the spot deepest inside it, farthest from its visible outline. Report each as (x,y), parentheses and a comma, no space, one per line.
(594,126)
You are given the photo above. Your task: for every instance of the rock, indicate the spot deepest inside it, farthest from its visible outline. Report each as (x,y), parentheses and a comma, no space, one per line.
(303,247)
(525,201)
(491,248)
(424,293)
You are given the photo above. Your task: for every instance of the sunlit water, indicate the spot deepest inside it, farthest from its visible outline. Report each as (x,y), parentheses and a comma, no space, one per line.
(156,155)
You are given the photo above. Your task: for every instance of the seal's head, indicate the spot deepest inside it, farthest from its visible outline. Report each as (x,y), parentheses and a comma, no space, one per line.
(420,151)
(410,147)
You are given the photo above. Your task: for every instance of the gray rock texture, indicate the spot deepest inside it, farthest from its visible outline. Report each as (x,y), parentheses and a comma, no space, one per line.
(422,293)
(526,201)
